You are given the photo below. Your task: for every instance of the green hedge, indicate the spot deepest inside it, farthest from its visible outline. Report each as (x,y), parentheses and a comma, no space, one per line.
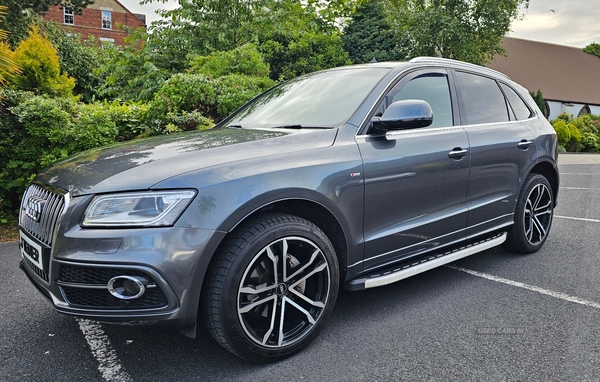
(37,131)
(581,134)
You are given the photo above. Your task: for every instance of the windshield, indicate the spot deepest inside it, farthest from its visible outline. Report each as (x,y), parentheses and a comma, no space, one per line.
(323,99)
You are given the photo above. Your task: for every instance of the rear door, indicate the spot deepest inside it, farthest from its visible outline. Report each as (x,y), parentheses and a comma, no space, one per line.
(415,192)
(501,149)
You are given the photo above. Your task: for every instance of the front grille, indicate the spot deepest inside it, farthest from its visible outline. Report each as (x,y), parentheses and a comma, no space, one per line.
(87,288)
(40,211)
(87,275)
(100,298)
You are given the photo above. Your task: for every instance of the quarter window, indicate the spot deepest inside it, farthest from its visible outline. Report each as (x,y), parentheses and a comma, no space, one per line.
(483,102)
(434,89)
(68,15)
(106,20)
(518,105)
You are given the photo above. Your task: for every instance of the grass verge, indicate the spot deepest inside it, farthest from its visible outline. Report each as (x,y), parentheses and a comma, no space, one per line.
(9,230)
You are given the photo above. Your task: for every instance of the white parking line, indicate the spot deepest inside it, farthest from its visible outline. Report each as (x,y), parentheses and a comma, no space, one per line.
(533,288)
(579,173)
(578,188)
(108,362)
(581,219)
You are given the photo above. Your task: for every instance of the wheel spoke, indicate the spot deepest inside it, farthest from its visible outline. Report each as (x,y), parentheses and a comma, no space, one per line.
(310,318)
(260,289)
(248,307)
(271,256)
(281,322)
(318,269)
(540,228)
(272,326)
(317,304)
(308,263)
(538,197)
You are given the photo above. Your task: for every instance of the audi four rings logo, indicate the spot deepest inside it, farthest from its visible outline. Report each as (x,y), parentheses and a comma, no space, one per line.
(34,207)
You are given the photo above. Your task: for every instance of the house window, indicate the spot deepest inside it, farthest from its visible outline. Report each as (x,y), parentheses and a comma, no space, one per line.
(585,110)
(68,15)
(106,20)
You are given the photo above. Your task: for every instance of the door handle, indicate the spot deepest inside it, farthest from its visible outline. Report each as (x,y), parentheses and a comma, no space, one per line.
(524,144)
(457,153)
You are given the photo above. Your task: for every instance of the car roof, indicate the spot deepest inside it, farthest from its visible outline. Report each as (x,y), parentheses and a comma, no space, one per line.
(432,62)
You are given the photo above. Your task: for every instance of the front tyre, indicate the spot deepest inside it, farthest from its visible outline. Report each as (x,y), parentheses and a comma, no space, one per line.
(533,216)
(272,288)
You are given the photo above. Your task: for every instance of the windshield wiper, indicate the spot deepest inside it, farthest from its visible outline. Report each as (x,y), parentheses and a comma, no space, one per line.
(233,127)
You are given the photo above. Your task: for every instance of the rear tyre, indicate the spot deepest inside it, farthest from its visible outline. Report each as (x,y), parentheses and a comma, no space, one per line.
(533,216)
(272,288)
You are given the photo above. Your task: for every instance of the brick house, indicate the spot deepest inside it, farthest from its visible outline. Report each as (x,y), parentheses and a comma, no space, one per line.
(101,19)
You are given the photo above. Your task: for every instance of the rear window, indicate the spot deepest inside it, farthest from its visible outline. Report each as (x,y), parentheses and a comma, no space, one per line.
(483,102)
(519,107)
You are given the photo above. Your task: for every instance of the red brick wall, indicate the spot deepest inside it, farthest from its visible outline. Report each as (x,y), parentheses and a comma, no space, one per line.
(90,23)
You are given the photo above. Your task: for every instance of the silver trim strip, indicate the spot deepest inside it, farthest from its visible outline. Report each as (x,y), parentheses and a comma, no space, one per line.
(393,277)
(439,237)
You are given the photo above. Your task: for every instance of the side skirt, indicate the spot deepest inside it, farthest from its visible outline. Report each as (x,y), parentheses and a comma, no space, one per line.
(422,264)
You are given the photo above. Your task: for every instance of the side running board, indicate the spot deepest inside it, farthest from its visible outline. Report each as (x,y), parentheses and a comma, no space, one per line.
(426,263)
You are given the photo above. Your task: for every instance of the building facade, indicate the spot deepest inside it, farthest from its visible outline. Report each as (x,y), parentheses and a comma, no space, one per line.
(102,19)
(568,78)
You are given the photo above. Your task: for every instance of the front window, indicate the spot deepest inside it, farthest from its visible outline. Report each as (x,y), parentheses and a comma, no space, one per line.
(325,99)
(106,20)
(68,15)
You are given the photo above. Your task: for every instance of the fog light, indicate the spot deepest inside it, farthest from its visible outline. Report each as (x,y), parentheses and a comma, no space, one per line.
(126,287)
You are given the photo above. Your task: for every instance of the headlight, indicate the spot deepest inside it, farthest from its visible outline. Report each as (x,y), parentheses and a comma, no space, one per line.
(137,209)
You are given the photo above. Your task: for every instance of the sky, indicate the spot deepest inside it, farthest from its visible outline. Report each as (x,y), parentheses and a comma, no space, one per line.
(565,22)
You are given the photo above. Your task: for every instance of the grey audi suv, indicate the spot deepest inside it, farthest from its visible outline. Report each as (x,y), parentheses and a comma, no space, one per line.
(353,177)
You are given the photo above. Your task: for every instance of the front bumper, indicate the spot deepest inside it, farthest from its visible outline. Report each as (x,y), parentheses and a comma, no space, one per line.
(171,261)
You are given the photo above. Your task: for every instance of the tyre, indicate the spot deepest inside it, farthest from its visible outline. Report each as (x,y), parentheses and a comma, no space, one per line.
(272,288)
(533,216)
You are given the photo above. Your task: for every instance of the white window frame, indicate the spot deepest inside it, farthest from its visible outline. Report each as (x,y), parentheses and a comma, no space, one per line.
(68,13)
(106,20)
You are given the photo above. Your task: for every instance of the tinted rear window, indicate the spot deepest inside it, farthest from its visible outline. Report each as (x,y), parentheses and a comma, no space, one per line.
(483,102)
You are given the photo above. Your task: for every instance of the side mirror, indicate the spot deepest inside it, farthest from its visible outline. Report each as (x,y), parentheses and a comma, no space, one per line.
(404,114)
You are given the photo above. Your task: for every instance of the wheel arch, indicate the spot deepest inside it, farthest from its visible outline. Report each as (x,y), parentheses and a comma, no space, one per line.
(309,209)
(549,171)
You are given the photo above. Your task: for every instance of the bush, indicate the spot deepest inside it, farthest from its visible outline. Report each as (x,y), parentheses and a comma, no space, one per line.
(40,68)
(562,132)
(214,98)
(578,134)
(245,59)
(235,90)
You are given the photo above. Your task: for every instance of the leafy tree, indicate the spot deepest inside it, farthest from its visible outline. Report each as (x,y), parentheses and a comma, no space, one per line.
(283,30)
(295,39)
(467,30)
(130,73)
(369,35)
(289,57)
(78,58)
(593,48)
(40,68)
(21,13)
(8,68)
(538,97)
(245,59)
(211,25)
